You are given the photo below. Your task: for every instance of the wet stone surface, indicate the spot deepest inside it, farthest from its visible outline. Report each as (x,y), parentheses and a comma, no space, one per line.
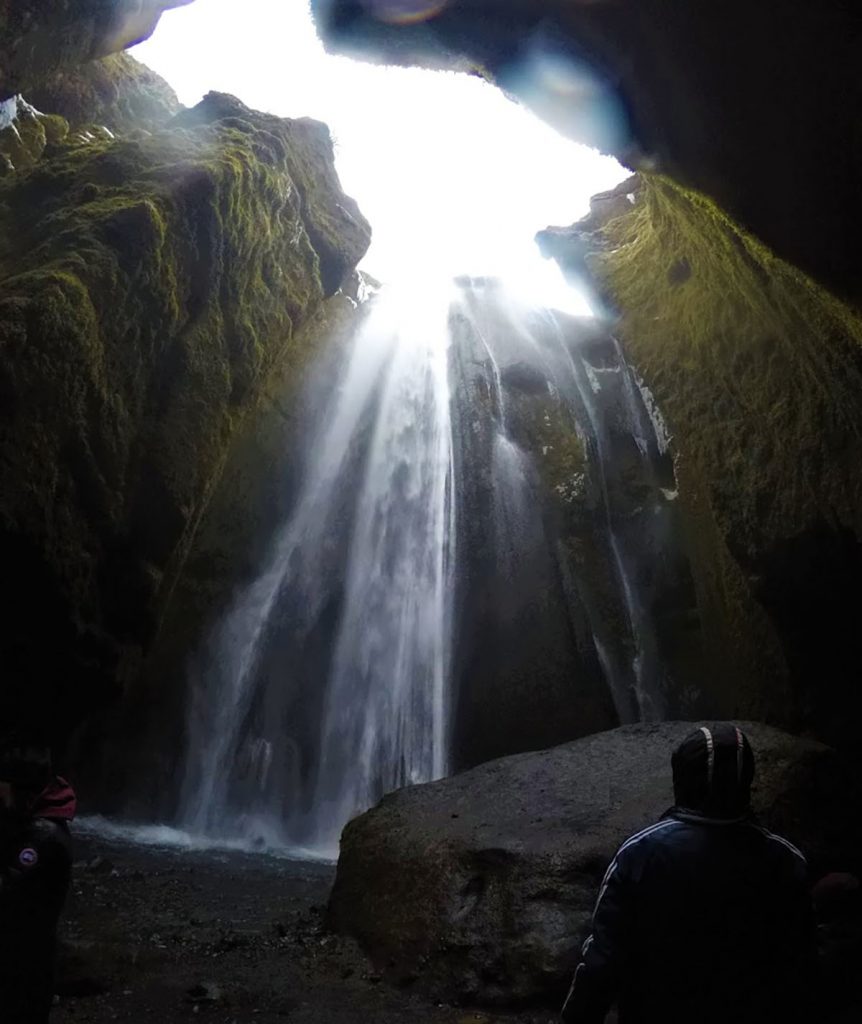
(156,934)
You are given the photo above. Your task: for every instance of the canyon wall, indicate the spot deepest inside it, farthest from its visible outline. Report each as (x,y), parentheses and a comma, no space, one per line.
(152,280)
(734,276)
(758,373)
(39,37)
(157,265)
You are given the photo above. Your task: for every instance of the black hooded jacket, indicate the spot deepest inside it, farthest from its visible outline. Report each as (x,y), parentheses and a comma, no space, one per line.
(699,919)
(35,869)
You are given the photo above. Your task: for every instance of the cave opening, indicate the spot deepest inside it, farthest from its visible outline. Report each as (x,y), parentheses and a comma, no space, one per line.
(454,177)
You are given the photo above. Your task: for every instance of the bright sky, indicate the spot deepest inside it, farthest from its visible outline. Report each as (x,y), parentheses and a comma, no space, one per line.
(453,176)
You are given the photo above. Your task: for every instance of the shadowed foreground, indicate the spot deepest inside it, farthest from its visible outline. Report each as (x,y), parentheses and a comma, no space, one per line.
(161,935)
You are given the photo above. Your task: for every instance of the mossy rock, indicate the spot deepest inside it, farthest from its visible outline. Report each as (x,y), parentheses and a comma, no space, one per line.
(118,92)
(56,128)
(28,134)
(781,355)
(757,371)
(40,37)
(148,289)
(23,141)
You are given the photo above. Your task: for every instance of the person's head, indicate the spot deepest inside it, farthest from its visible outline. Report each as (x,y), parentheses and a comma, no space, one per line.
(25,770)
(713,769)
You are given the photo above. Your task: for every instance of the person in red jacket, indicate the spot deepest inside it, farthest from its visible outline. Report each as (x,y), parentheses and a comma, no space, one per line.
(36,808)
(705,916)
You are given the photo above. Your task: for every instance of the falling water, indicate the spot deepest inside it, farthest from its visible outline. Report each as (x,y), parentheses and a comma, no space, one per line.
(646,691)
(284,744)
(386,714)
(329,680)
(534,337)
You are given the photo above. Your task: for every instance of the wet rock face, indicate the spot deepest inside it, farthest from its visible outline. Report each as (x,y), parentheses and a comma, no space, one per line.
(148,288)
(525,670)
(789,101)
(758,372)
(40,37)
(576,608)
(480,887)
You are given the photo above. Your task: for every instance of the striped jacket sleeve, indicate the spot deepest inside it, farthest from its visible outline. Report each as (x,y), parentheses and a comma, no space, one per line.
(596,983)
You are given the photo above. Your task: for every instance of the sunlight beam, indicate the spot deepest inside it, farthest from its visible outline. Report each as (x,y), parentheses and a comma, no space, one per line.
(454,177)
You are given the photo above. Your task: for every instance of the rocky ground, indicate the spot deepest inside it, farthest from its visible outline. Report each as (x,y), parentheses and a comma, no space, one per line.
(160,935)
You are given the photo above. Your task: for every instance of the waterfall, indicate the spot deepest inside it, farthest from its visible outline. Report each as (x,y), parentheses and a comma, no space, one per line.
(644,699)
(417,597)
(285,744)
(534,339)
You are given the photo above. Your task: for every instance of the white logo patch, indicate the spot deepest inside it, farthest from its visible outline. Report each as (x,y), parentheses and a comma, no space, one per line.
(28,857)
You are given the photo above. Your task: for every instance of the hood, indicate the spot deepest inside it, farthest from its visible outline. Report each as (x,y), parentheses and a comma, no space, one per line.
(57,801)
(713,769)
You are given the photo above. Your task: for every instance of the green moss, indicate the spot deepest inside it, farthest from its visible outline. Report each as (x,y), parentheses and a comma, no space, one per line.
(757,371)
(752,363)
(118,92)
(148,289)
(23,141)
(558,448)
(56,127)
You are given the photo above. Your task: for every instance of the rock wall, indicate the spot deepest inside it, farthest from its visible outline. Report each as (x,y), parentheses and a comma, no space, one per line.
(129,756)
(118,92)
(576,607)
(39,37)
(753,104)
(758,373)
(149,287)
(525,674)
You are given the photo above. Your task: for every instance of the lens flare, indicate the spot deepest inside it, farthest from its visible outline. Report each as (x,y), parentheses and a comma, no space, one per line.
(570,95)
(405,12)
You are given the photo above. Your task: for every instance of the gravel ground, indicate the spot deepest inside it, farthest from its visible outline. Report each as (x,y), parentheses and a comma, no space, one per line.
(155,934)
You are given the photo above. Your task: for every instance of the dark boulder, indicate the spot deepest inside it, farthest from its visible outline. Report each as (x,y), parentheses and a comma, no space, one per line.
(480,887)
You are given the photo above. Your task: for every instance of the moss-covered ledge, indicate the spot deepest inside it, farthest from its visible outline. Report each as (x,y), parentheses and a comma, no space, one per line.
(118,92)
(148,288)
(758,372)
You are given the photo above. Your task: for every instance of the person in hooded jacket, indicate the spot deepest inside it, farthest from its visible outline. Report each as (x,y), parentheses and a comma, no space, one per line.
(705,916)
(35,870)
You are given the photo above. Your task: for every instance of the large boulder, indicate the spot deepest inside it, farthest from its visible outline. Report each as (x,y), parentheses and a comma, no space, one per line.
(149,287)
(480,887)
